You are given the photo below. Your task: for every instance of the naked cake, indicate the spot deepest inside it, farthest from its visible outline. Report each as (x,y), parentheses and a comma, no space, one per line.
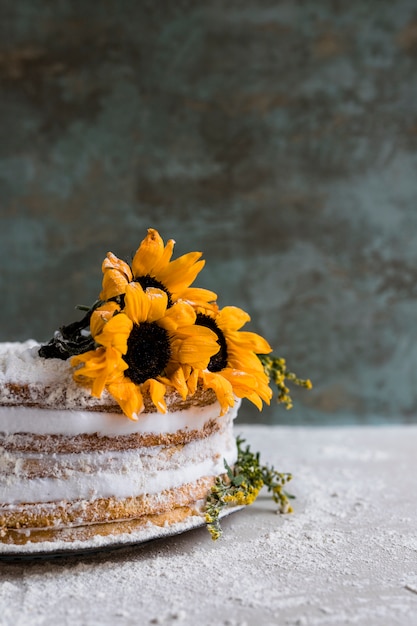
(123,422)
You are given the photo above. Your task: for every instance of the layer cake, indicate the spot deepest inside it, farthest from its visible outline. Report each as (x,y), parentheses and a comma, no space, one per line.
(72,466)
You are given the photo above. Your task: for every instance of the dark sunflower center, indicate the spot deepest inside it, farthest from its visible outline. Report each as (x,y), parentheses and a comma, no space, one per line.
(150,281)
(219,360)
(148,352)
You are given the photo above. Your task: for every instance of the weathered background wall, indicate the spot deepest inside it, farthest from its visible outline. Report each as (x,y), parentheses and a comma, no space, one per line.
(277,137)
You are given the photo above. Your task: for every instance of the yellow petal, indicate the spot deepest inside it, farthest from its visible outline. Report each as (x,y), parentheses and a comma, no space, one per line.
(249,385)
(197,350)
(128,396)
(102,315)
(165,258)
(157,392)
(113,285)
(91,365)
(116,275)
(221,387)
(232,318)
(96,366)
(177,380)
(178,315)
(253,397)
(158,302)
(250,341)
(199,297)
(111,262)
(137,303)
(116,333)
(192,381)
(196,331)
(148,254)
(179,274)
(243,359)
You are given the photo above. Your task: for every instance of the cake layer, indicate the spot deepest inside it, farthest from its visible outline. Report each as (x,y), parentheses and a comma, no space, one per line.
(29,478)
(28,380)
(80,512)
(138,529)
(51,444)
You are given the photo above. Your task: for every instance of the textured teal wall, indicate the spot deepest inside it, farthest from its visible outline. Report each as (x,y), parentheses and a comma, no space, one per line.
(277,137)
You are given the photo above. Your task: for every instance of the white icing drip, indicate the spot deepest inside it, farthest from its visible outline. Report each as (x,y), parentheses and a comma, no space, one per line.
(131,476)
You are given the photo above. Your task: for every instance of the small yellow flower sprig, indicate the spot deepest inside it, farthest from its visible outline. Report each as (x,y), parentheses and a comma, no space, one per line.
(241,486)
(276,369)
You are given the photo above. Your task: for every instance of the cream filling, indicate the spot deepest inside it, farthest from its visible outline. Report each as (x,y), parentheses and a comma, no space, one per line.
(16,419)
(120,475)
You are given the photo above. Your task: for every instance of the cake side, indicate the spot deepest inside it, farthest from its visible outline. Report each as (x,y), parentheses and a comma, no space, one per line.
(68,464)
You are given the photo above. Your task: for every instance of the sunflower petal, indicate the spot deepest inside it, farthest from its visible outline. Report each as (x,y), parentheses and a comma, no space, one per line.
(196,330)
(177,380)
(112,262)
(221,387)
(128,396)
(197,351)
(179,274)
(96,367)
(244,360)
(116,275)
(116,333)
(102,315)
(137,303)
(156,391)
(253,397)
(250,385)
(158,302)
(148,254)
(165,258)
(250,341)
(199,297)
(178,315)
(192,381)
(232,318)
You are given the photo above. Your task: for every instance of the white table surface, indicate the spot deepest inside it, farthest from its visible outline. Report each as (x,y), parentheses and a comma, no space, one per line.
(348,554)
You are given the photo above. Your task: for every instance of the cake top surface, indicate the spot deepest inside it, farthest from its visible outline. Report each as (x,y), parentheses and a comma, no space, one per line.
(28,379)
(20,363)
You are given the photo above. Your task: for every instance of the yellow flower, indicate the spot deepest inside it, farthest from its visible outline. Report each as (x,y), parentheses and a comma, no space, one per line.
(235,370)
(152,267)
(142,348)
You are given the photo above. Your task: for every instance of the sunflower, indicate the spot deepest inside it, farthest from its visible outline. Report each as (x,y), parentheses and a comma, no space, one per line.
(235,370)
(143,348)
(152,267)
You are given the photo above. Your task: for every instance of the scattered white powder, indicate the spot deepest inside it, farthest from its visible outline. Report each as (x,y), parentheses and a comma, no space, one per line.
(348,555)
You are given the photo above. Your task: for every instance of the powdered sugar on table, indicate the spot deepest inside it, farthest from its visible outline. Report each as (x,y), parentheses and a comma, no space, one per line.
(348,554)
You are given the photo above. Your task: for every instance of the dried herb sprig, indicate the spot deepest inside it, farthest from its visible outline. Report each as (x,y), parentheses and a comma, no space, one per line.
(241,486)
(72,339)
(276,369)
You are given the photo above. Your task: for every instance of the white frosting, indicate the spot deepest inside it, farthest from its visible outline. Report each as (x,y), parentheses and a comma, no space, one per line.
(21,363)
(96,474)
(15,420)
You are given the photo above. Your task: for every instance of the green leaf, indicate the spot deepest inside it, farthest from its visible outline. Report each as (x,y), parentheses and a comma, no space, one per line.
(241,486)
